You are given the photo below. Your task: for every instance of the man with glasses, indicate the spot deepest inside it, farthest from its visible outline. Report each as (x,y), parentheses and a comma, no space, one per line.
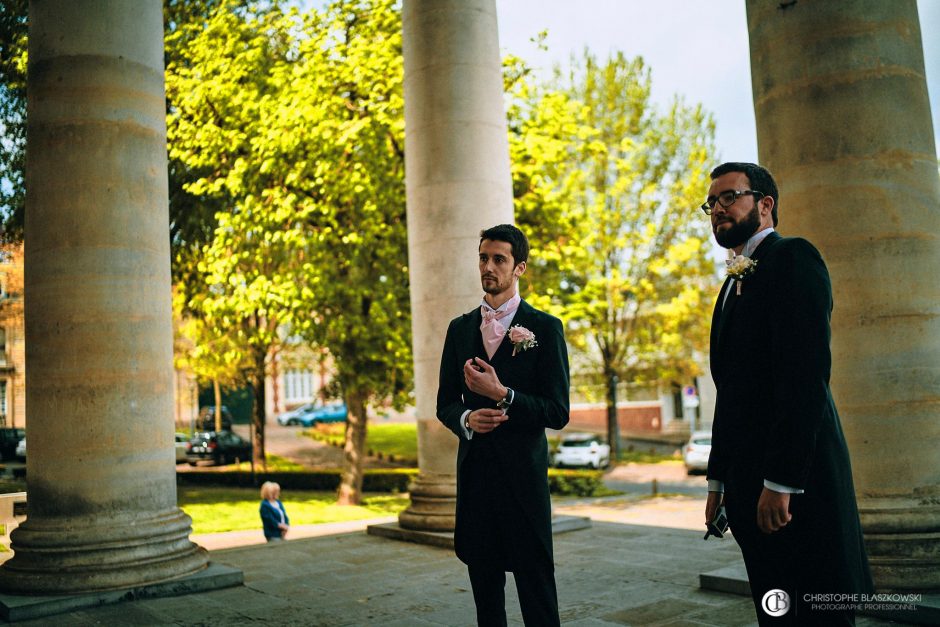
(779,462)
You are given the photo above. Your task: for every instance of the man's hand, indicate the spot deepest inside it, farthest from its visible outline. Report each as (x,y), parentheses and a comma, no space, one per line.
(712,504)
(485,420)
(481,378)
(773,510)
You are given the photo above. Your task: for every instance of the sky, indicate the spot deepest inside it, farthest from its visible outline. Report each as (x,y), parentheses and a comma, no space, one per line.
(696,49)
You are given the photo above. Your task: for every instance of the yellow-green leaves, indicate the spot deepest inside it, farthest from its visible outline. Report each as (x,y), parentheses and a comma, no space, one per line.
(606,185)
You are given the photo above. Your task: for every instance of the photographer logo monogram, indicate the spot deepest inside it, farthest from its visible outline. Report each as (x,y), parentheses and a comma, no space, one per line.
(776,602)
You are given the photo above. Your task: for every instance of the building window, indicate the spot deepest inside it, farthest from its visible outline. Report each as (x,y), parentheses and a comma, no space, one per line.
(298,386)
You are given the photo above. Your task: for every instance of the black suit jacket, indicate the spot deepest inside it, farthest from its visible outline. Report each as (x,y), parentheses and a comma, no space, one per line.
(502,476)
(774,416)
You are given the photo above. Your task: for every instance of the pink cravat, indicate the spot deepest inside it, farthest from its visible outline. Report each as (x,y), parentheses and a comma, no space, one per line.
(492,329)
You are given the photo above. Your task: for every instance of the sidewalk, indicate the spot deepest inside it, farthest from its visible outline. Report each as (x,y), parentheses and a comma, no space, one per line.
(637,565)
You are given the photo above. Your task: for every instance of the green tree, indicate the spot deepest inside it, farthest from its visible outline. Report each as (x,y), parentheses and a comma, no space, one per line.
(296,124)
(223,83)
(607,185)
(13,34)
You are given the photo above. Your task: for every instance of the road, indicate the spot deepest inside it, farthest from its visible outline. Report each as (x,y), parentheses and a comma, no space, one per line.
(670,478)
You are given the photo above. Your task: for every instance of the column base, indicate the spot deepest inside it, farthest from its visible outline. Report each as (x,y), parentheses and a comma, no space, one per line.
(433,504)
(14,607)
(78,555)
(902,535)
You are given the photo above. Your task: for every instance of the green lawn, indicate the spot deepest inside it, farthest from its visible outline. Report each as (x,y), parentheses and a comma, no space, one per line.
(398,439)
(214,510)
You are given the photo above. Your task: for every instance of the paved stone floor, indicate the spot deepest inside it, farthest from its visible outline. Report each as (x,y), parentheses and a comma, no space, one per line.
(611,574)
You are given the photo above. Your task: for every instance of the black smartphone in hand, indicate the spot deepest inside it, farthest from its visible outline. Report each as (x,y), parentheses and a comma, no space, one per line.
(718,525)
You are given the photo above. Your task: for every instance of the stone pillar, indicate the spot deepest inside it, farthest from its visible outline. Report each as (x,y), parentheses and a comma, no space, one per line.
(458,182)
(844,124)
(102,510)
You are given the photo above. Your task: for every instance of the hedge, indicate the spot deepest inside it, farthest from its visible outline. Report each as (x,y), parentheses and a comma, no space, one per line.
(561,482)
(574,482)
(384,480)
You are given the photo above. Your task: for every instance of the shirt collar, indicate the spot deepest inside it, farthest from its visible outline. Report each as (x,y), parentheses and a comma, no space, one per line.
(505,305)
(754,241)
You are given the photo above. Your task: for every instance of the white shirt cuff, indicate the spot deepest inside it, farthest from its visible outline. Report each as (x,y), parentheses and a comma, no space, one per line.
(716,486)
(776,487)
(463,422)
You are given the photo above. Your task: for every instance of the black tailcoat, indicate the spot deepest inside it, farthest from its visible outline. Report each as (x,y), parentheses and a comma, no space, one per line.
(503,505)
(775,419)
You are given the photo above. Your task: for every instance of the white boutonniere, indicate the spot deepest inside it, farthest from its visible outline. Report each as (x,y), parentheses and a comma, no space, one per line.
(740,267)
(522,339)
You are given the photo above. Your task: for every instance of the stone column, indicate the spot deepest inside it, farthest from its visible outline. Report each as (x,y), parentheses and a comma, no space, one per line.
(102,510)
(458,182)
(843,122)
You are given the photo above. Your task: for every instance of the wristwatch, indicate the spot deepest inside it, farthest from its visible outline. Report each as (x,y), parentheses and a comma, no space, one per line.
(466,422)
(507,400)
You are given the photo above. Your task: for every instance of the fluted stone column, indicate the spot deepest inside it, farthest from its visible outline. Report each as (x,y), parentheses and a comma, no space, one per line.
(844,124)
(102,510)
(458,182)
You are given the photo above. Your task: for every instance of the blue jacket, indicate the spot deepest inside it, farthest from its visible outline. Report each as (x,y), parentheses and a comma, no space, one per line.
(271,518)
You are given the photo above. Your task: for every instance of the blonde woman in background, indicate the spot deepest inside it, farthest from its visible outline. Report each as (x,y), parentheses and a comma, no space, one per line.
(273,515)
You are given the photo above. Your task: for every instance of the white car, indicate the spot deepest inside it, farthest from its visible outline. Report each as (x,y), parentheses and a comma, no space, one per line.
(21,449)
(181,440)
(696,452)
(583,449)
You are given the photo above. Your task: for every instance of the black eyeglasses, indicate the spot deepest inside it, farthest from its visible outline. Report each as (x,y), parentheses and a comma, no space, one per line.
(726,199)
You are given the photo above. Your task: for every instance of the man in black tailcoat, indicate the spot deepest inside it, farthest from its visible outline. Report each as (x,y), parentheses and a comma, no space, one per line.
(504,380)
(779,460)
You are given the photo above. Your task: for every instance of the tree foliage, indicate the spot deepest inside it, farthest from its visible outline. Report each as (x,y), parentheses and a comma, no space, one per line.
(295,123)
(13,33)
(607,184)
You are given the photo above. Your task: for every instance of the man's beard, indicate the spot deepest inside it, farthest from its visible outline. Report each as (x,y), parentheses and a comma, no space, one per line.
(739,232)
(493,286)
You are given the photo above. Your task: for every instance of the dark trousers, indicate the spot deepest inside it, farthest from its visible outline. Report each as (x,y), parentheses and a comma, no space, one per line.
(538,597)
(779,561)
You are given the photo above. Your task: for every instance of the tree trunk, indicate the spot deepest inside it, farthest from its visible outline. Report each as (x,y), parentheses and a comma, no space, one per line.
(350,487)
(217,389)
(258,412)
(613,427)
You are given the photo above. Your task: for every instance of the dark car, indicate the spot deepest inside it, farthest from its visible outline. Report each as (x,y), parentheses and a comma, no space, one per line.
(9,438)
(206,419)
(219,447)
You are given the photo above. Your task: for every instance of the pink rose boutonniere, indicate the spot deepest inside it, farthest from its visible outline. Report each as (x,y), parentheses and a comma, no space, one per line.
(522,339)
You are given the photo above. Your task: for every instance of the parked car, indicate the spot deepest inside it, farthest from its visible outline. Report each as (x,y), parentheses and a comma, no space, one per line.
(182,439)
(583,449)
(331,412)
(206,419)
(696,452)
(9,438)
(219,447)
(289,418)
(21,450)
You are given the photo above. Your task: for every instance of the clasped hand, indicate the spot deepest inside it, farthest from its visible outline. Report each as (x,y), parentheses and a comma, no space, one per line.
(481,378)
(773,509)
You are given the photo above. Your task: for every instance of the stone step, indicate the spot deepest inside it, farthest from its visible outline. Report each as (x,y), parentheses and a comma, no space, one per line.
(926,608)
(17,607)
(445,539)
